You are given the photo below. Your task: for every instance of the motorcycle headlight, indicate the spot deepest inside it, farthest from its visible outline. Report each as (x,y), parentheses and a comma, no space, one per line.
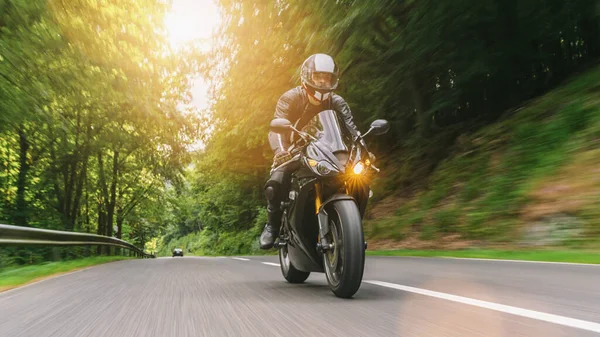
(359,168)
(324,168)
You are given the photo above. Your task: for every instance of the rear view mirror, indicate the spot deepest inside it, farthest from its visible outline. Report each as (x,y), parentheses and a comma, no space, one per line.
(380,126)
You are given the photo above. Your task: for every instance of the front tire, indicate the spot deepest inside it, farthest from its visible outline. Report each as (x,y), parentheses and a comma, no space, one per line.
(290,273)
(344,264)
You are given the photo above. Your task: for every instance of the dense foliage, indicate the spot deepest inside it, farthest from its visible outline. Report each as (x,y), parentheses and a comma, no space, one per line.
(90,127)
(434,69)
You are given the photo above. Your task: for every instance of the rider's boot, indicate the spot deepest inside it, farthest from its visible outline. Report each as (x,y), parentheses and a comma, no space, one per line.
(271,230)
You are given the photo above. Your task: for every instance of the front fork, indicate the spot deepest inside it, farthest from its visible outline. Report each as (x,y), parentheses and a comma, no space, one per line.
(322,216)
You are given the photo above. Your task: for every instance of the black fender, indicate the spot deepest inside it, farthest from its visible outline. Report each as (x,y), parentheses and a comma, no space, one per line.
(324,217)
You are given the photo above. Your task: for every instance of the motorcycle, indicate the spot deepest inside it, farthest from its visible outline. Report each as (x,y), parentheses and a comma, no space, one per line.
(321,228)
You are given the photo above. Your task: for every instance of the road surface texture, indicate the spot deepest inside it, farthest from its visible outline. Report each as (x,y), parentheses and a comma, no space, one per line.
(208,296)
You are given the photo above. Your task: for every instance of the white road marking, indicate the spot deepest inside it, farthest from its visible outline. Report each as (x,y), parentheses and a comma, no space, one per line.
(272,264)
(520,261)
(240,258)
(556,319)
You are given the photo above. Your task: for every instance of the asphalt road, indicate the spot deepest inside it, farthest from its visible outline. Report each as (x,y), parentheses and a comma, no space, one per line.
(198,296)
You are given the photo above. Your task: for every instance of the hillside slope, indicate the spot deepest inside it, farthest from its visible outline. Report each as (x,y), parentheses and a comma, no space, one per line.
(531,179)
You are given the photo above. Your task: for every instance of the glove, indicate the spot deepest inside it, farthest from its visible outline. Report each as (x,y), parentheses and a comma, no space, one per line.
(281,157)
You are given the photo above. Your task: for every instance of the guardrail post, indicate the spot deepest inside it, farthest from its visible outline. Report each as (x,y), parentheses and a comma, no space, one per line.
(55,254)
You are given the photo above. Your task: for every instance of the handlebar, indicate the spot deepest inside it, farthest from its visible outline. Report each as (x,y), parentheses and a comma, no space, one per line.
(296,148)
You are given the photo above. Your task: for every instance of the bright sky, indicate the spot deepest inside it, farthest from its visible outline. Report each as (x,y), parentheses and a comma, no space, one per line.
(190,20)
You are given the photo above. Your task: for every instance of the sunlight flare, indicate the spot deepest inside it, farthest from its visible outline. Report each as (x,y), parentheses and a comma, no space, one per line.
(190,20)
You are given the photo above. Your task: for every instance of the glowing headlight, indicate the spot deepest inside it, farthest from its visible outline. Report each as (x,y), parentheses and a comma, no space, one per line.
(359,168)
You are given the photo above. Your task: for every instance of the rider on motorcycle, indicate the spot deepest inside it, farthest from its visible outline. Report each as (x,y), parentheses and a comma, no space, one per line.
(320,76)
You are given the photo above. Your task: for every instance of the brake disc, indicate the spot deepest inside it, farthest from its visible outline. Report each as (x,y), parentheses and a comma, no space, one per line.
(332,254)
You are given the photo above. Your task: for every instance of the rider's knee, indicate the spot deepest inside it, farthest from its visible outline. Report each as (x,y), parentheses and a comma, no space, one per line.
(273,186)
(277,184)
(270,192)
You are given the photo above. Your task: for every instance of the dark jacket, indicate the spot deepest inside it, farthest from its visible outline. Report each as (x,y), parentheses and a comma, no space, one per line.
(294,106)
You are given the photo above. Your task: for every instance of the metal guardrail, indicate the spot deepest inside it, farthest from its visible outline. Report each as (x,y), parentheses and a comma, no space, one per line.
(16,235)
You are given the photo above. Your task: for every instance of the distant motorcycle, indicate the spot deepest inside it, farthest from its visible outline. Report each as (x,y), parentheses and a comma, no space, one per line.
(321,228)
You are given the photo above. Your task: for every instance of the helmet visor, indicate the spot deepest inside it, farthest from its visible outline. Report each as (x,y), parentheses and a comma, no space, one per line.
(323,80)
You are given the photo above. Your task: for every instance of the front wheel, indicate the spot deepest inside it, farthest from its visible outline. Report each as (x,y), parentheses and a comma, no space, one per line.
(290,273)
(345,262)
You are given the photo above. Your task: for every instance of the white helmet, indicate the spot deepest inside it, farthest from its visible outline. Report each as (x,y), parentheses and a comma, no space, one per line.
(320,76)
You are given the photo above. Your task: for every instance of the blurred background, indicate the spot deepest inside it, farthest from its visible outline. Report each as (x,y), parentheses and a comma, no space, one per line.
(148,120)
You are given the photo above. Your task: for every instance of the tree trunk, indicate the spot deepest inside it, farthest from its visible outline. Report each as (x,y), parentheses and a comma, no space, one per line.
(55,174)
(87,206)
(101,228)
(102,206)
(70,172)
(80,179)
(70,178)
(126,208)
(120,219)
(110,212)
(20,215)
(7,204)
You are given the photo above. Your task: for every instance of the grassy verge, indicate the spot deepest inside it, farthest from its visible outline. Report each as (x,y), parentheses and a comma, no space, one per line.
(16,276)
(574,256)
(537,168)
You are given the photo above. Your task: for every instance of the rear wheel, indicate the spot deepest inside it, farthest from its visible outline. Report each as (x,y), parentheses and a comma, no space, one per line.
(290,273)
(345,262)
